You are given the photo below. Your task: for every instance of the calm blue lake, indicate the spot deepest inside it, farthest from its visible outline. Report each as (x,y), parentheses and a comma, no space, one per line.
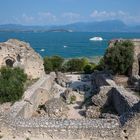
(75,44)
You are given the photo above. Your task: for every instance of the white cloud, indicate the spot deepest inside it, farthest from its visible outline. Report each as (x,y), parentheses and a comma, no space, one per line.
(71,17)
(47,17)
(23,19)
(109,15)
(27,19)
(104,15)
(41,18)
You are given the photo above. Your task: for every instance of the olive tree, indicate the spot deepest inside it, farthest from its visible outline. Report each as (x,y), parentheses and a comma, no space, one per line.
(119,58)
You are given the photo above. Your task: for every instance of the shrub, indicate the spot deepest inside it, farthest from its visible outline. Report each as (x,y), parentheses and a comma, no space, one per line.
(119,58)
(89,68)
(11,84)
(84,61)
(100,66)
(76,65)
(57,62)
(48,65)
(53,63)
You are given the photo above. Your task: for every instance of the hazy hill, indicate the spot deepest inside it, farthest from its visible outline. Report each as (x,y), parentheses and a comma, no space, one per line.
(102,26)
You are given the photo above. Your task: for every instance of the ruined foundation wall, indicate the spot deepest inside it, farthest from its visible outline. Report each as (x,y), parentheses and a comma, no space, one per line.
(64,129)
(15,53)
(38,93)
(20,123)
(121,99)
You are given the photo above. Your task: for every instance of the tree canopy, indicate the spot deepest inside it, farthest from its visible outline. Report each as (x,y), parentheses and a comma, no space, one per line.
(53,63)
(119,58)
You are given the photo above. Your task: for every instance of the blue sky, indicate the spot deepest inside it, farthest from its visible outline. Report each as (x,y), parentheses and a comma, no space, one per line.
(50,12)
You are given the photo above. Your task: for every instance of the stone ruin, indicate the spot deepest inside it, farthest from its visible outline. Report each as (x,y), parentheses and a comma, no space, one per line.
(15,53)
(18,121)
(135,70)
(109,94)
(115,102)
(97,125)
(120,122)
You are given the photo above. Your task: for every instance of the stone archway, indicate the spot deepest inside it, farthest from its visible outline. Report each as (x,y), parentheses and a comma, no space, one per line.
(9,61)
(139,66)
(138,61)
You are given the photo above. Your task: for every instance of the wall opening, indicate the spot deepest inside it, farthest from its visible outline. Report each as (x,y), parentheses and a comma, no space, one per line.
(18,58)
(139,67)
(139,64)
(9,62)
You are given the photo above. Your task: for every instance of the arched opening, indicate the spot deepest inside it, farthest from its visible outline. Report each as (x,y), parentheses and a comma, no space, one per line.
(139,64)
(139,67)
(18,58)
(9,62)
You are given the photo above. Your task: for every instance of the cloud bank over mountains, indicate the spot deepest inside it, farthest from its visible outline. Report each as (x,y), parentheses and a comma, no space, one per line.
(49,18)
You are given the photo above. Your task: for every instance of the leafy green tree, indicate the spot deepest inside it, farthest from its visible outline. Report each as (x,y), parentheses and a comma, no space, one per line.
(89,68)
(11,84)
(48,65)
(53,63)
(57,62)
(75,65)
(85,61)
(119,58)
(101,65)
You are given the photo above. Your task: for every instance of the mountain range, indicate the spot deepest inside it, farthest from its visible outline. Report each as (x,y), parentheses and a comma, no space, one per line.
(97,26)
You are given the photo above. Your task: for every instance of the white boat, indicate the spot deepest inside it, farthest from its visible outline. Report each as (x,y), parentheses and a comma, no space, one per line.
(42,50)
(96,39)
(65,46)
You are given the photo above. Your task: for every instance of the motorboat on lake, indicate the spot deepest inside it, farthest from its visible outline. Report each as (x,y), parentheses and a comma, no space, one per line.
(42,50)
(96,39)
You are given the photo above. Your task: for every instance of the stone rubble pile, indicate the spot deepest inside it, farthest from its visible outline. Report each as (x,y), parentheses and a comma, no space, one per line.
(62,80)
(56,108)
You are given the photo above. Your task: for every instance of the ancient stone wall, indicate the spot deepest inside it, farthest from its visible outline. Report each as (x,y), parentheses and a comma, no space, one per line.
(37,94)
(123,101)
(15,53)
(120,99)
(64,129)
(20,123)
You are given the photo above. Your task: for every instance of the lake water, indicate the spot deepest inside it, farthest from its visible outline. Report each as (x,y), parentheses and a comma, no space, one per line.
(65,44)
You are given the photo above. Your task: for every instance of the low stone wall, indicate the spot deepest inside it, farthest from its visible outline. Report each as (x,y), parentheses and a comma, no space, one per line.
(64,129)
